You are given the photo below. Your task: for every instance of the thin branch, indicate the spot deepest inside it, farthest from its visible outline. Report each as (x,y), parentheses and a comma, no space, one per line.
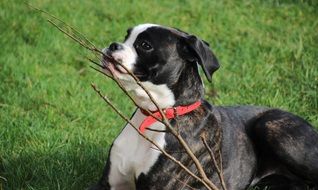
(221,165)
(94,49)
(211,153)
(170,152)
(56,18)
(97,64)
(74,38)
(164,120)
(184,183)
(77,33)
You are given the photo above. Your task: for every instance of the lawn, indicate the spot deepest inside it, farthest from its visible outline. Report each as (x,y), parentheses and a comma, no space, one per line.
(55,131)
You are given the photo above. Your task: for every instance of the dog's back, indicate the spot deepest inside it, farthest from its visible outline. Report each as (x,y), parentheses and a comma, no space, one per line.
(284,152)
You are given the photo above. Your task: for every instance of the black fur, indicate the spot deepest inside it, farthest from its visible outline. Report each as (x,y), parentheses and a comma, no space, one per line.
(260,146)
(201,54)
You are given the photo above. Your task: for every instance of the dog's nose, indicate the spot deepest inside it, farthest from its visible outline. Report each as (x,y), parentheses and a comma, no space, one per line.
(115,46)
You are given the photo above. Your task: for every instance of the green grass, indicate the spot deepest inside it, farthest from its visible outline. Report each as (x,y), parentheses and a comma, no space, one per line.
(55,131)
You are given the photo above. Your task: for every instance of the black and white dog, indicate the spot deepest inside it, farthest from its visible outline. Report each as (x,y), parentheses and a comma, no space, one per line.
(260,146)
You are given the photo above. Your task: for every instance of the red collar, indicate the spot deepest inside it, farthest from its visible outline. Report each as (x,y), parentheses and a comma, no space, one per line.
(169,112)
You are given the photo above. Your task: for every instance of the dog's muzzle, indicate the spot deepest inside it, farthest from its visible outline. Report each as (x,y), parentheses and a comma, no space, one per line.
(110,63)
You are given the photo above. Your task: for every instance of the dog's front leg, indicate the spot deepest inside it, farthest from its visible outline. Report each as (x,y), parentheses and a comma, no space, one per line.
(119,170)
(115,175)
(118,174)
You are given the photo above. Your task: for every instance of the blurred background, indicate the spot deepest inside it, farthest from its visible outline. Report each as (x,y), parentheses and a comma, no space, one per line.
(55,131)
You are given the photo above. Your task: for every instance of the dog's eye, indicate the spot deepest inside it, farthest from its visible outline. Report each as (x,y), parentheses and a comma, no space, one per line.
(146,46)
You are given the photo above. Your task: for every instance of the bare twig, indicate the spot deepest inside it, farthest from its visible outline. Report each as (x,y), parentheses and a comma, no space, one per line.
(221,166)
(184,183)
(75,34)
(93,48)
(77,37)
(64,23)
(219,169)
(97,64)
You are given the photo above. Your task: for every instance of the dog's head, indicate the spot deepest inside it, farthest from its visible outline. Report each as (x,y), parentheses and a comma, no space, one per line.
(166,61)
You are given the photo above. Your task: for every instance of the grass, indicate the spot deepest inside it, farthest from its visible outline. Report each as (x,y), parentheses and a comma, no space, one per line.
(55,131)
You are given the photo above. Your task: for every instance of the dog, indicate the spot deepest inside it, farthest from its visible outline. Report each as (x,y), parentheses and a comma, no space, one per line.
(260,147)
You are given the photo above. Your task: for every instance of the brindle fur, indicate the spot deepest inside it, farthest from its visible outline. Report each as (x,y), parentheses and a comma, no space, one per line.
(255,141)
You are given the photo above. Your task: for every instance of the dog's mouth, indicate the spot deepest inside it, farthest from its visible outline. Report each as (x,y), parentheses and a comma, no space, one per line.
(112,65)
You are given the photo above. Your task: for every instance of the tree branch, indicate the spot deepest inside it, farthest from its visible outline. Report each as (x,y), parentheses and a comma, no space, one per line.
(218,170)
(78,38)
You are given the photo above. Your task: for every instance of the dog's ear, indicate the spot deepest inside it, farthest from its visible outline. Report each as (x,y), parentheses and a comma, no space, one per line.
(197,50)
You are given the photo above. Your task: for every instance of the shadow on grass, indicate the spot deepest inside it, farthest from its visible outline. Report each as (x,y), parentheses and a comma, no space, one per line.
(66,166)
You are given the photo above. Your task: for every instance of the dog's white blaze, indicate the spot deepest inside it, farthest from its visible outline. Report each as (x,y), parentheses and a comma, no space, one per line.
(132,155)
(128,55)
(135,32)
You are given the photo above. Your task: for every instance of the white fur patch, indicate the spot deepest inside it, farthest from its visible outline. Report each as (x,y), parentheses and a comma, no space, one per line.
(132,155)
(161,94)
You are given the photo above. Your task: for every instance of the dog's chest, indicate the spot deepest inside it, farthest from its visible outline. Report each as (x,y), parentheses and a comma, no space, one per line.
(131,154)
